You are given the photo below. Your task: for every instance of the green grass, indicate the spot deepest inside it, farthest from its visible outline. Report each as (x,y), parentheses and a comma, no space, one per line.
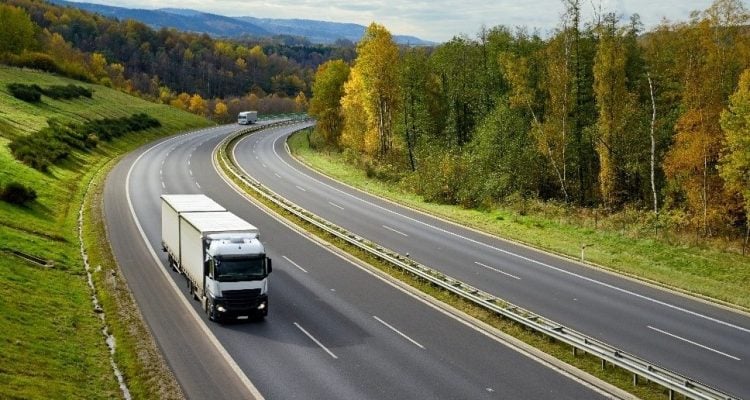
(52,345)
(708,272)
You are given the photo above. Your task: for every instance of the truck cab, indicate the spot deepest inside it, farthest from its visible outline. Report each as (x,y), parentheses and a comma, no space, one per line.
(236,276)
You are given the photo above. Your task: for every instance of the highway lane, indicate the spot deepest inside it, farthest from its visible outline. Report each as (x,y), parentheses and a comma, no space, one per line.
(699,340)
(334,330)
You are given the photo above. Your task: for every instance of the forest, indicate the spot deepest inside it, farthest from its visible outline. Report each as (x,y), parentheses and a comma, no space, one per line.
(209,76)
(599,117)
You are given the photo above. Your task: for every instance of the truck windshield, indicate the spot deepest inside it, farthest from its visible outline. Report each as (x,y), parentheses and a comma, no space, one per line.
(240,269)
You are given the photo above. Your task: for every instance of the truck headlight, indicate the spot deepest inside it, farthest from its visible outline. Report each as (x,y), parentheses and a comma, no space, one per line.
(221,309)
(262,305)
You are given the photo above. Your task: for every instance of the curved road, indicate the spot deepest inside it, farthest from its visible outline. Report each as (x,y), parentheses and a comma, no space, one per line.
(702,341)
(334,330)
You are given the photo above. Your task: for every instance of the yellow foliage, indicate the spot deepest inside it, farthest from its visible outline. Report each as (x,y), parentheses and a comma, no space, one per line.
(220,110)
(197,105)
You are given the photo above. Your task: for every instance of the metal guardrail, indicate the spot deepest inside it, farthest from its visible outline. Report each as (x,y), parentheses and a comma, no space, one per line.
(670,380)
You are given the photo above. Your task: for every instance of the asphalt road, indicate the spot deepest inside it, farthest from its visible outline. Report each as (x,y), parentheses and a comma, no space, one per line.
(702,341)
(334,330)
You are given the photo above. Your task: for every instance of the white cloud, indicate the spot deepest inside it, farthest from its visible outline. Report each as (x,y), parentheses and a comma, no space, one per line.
(437,20)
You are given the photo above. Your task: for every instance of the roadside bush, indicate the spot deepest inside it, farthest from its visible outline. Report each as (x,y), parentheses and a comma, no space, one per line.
(16,193)
(28,93)
(54,143)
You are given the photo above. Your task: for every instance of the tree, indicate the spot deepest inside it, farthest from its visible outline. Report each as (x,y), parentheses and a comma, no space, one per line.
(358,133)
(220,111)
(615,106)
(376,68)
(712,56)
(413,80)
(197,105)
(300,102)
(16,30)
(734,163)
(325,105)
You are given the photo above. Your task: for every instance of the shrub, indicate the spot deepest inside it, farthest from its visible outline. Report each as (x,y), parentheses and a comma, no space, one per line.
(33,60)
(28,93)
(54,143)
(67,92)
(16,193)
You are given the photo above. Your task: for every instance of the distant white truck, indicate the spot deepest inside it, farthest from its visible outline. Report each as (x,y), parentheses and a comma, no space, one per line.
(247,117)
(219,253)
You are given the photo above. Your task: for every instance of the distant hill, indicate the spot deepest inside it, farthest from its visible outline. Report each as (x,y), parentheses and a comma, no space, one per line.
(212,24)
(322,32)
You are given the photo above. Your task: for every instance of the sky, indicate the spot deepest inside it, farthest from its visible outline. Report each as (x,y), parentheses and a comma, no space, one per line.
(436,20)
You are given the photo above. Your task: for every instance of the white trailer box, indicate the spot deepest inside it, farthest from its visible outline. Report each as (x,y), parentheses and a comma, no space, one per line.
(172,205)
(197,226)
(247,117)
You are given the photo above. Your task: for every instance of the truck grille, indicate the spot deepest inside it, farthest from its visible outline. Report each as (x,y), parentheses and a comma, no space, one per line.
(240,299)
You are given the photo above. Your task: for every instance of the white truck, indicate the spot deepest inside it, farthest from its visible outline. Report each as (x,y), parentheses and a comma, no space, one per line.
(247,117)
(219,253)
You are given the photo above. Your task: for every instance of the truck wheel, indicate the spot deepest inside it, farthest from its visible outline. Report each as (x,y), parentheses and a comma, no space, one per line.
(211,310)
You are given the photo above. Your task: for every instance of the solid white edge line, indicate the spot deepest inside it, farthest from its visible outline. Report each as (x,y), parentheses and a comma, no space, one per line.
(393,230)
(330,353)
(477,242)
(496,270)
(295,264)
(398,332)
(693,343)
(211,337)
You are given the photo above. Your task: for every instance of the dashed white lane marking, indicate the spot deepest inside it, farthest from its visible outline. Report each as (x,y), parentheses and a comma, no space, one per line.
(163,186)
(496,270)
(693,343)
(510,253)
(336,205)
(198,184)
(330,353)
(191,172)
(301,188)
(264,165)
(294,263)
(277,175)
(403,335)
(393,230)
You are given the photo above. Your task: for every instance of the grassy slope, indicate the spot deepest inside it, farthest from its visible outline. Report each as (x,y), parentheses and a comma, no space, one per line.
(52,344)
(709,272)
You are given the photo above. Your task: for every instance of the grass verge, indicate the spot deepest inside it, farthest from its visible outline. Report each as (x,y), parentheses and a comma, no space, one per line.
(585,362)
(52,344)
(707,272)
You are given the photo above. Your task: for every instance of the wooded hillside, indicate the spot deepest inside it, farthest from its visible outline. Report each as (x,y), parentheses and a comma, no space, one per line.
(601,115)
(193,72)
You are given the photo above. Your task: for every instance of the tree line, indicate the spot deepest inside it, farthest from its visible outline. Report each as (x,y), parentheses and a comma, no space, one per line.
(600,114)
(163,65)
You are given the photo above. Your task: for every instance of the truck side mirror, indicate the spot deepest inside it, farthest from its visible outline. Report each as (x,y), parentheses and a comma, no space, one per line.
(269,264)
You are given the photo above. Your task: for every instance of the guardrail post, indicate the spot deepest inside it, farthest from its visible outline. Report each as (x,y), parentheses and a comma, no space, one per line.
(604,363)
(635,379)
(671,394)
(575,351)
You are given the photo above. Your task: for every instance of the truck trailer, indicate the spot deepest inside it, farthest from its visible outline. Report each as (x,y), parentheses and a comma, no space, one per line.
(222,259)
(247,117)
